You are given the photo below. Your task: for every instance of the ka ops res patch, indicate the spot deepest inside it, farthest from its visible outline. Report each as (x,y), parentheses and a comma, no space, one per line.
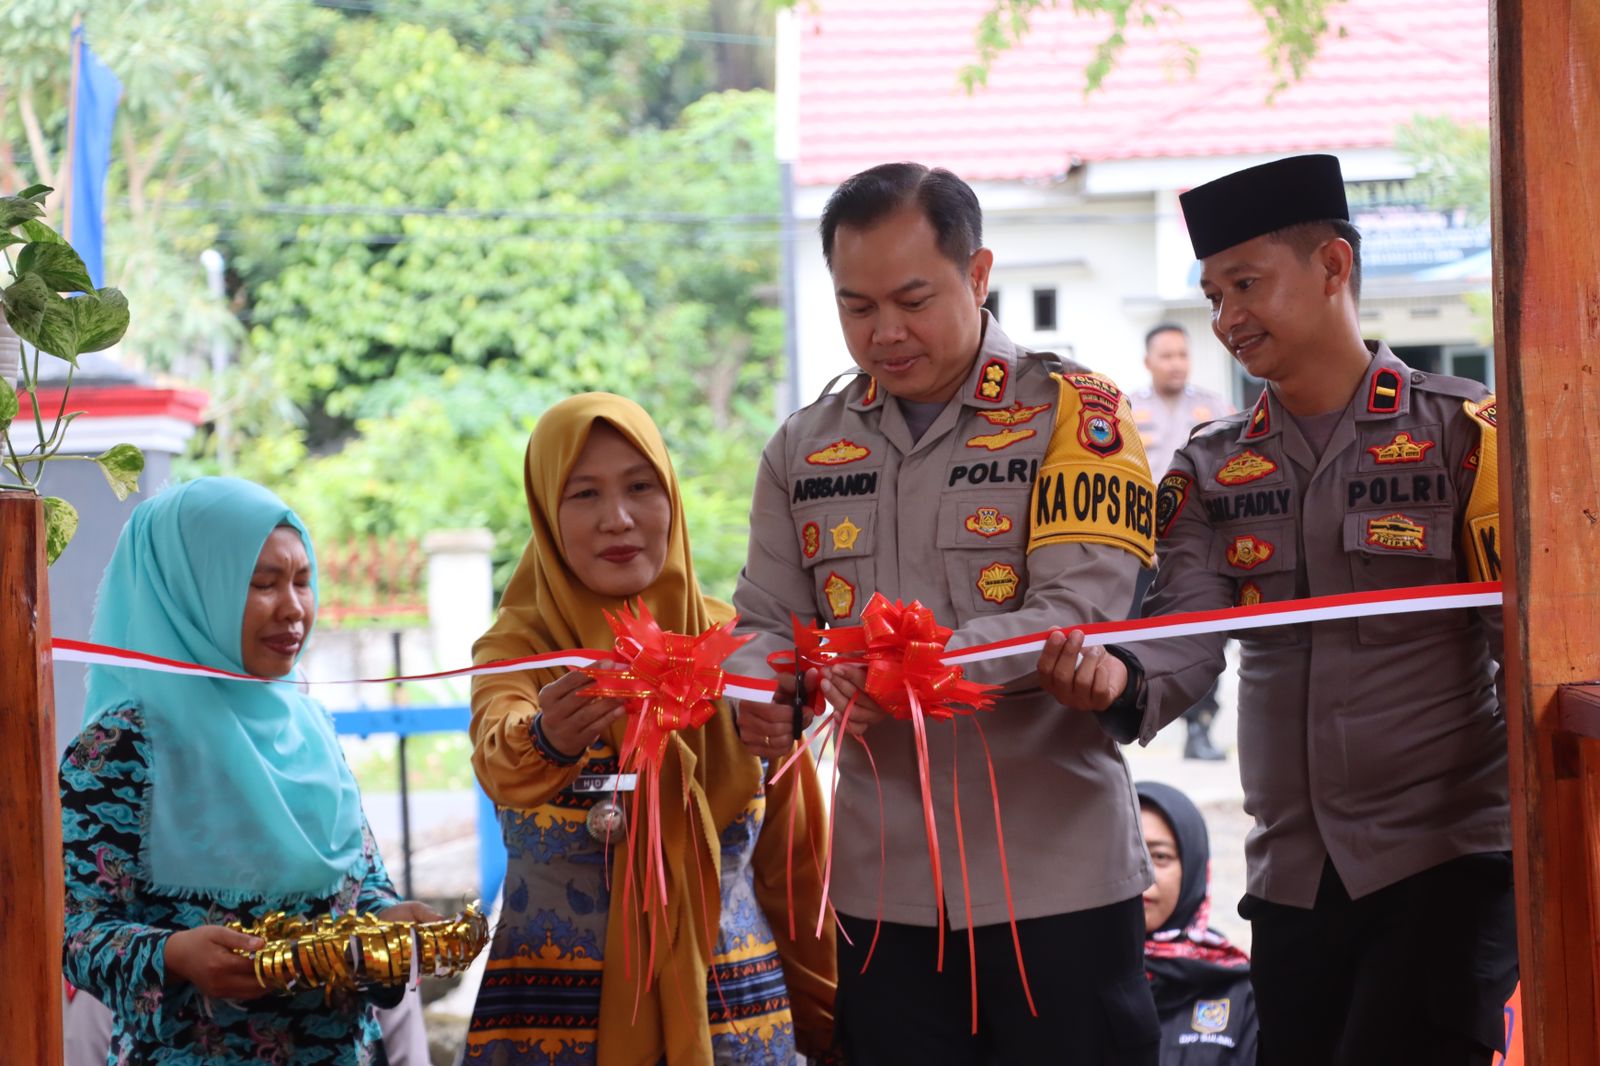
(1083,492)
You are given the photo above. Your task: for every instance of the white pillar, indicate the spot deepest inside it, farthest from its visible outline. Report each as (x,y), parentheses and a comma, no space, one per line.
(460,591)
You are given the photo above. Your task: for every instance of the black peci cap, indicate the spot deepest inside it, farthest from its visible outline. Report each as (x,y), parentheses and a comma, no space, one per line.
(1263,199)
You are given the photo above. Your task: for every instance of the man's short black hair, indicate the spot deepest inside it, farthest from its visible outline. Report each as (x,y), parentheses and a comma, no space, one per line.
(1163,327)
(948,202)
(1307,237)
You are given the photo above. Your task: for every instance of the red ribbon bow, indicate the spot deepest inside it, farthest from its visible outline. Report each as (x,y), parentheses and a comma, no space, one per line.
(670,681)
(903,647)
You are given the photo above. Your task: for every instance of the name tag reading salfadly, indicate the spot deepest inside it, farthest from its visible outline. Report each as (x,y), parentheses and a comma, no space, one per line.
(605,783)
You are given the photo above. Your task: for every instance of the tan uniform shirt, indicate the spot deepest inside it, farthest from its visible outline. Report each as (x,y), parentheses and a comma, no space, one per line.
(1380,741)
(1164,423)
(1025,505)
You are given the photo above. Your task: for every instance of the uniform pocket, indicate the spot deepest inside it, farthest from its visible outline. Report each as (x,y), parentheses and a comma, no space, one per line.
(1264,560)
(983,538)
(836,545)
(1391,549)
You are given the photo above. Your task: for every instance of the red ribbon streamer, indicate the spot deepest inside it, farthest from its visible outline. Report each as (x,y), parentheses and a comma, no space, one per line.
(902,648)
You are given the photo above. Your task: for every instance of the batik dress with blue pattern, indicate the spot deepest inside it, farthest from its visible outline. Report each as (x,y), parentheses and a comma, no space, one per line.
(117,929)
(539,1004)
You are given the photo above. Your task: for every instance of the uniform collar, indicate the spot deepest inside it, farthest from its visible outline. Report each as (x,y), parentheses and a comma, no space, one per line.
(990,383)
(1385,392)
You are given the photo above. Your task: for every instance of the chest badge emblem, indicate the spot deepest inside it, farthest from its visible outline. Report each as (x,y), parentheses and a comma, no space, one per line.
(811,537)
(1249,594)
(1249,551)
(1210,1016)
(841,595)
(988,522)
(998,582)
(839,452)
(1004,439)
(1397,533)
(1403,449)
(1249,465)
(844,535)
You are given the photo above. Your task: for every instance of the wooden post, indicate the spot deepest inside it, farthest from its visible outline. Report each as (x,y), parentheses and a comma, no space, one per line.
(1546,134)
(30,799)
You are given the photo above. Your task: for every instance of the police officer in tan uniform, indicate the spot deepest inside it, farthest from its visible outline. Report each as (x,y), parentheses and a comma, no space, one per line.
(1166,411)
(1005,490)
(1372,750)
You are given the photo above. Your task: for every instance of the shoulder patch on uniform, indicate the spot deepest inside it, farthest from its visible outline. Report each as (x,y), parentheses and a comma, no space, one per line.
(1172,494)
(1015,415)
(1383,395)
(1485,411)
(839,452)
(1094,484)
(1096,391)
(992,380)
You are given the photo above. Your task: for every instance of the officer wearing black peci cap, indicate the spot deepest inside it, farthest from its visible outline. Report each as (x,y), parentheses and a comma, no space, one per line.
(1372,750)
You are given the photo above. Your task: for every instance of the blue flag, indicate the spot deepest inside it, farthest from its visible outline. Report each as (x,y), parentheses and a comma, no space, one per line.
(96,108)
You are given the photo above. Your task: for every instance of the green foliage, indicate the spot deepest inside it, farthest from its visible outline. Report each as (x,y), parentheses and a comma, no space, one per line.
(122,465)
(1294,30)
(1452,161)
(34,309)
(60,523)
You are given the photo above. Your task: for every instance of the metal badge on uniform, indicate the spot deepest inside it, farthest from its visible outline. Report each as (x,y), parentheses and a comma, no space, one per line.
(1249,465)
(844,535)
(992,380)
(1003,439)
(1014,415)
(1402,449)
(1210,1015)
(607,821)
(1249,551)
(1249,594)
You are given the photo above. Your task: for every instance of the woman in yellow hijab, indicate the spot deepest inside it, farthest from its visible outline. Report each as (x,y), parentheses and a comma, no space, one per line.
(564,981)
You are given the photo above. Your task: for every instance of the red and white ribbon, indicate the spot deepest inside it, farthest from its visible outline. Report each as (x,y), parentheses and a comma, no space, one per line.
(1227,620)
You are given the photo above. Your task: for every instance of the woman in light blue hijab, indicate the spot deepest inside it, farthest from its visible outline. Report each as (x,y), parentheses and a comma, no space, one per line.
(191,802)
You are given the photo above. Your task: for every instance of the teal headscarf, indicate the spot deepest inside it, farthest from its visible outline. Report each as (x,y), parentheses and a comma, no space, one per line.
(250,795)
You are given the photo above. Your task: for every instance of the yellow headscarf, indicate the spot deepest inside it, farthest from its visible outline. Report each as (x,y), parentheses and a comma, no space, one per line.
(546,608)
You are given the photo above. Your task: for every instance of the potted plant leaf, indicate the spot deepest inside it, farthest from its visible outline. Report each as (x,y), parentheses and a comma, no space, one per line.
(37,320)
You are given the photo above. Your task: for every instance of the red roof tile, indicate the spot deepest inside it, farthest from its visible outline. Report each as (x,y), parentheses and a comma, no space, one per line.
(878,81)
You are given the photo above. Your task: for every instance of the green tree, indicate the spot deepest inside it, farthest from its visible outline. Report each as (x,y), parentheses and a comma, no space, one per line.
(200,86)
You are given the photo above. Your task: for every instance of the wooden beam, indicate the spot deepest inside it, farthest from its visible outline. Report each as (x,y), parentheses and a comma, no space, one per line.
(1545,116)
(30,798)
(1578,707)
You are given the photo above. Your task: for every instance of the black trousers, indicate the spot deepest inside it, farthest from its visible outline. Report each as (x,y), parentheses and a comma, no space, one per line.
(1415,974)
(1086,971)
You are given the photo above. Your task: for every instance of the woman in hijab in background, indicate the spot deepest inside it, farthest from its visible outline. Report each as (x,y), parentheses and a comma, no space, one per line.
(191,802)
(565,981)
(1201,982)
